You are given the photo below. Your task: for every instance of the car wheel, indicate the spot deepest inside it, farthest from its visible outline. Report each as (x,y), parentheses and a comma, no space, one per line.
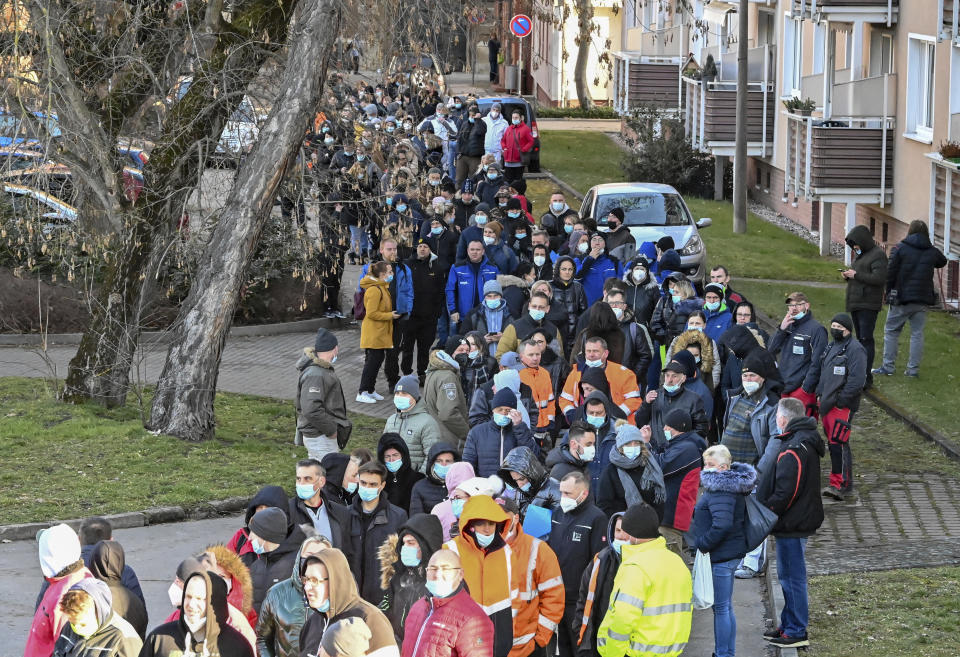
(535,166)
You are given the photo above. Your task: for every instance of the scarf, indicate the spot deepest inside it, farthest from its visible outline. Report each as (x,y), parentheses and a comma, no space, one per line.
(651,480)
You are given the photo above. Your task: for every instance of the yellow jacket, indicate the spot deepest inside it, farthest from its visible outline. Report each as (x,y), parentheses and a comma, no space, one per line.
(650,606)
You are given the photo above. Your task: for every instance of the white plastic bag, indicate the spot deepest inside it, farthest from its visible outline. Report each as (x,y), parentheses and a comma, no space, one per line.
(702,581)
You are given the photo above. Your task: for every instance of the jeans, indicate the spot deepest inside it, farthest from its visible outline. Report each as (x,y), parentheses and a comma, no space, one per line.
(372,360)
(792,571)
(864,323)
(896,318)
(359,241)
(724,621)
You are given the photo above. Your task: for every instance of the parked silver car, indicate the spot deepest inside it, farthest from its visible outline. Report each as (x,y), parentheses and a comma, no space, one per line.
(652,210)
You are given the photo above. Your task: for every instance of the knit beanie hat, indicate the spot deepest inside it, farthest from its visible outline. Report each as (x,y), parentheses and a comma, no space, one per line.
(270,524)
(349,637)
(492,287)
(844,320)
(325,341)
(409,384)
(452,343)
(640,521)
(716,288)
(504,397)
(679,419)
(618,213)
(514,204)
(627,433)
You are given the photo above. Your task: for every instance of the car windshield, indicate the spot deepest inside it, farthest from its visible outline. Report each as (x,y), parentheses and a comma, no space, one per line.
(644,209)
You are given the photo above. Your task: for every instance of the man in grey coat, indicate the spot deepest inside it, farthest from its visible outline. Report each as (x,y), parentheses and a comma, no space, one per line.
(321,408)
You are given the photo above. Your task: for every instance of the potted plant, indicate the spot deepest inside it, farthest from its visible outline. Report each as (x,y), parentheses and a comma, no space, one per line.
(950,151)
(709,73)
(806,107)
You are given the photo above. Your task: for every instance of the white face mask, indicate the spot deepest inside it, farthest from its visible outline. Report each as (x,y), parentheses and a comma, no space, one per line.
(567,504)
(196,626)
(175,594)
(582,247)
(751,387)
(588,452)
(618,312)
(539,260)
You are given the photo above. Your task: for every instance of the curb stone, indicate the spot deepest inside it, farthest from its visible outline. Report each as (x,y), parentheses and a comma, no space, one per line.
(774,598)
(153,516)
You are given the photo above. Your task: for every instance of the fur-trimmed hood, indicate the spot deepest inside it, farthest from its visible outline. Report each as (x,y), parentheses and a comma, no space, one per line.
(387,554)
(707,355)
(240,574)
(424,527)
(739,479)
(509,280)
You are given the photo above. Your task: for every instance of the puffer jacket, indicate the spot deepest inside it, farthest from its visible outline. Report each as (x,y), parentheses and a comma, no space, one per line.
(561,462)
(399,483)
(800,349)
(419,431)
(376,330)
(283,614)
(792,488)
(642,298)
(865,289)
(544,490)
(572,298)
(843,374)
(670,320)
(721,510)
(488,444)
(596,584)
(114,637)
(320,404)
(404,585)
(431,490)
(910,269)
(454,626)
(653,414)
(442,397)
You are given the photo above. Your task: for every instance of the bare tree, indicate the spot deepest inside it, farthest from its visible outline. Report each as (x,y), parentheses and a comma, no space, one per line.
(585,30)
(183,404)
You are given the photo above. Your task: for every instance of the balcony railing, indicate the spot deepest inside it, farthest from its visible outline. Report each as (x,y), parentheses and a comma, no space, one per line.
(759,59)
(949,12)
(638,82)
(849,155)
(845,11)
(710,110)
(663,43)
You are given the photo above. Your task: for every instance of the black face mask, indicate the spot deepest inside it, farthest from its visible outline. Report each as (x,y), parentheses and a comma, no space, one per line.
(613,225)
(837,334)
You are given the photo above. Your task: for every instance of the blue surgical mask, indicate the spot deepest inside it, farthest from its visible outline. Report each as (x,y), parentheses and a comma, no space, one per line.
(456,506)
(492,304)
(472,120)
(668,434)
(481,219)
(484,540)
(389,200)
(439,589)
(567,228)
(408,556)
(588,452)
(711,306)
(515,121)
(473,354)
(368,494)
(502,204)
(526,487)
(402,402)
(348,153)
(799,316)
(324,606)
(305,491)
(401,208)
(596,421)
(520,236)
(351,487)
(257,546)
(513,214)
(434,183)
(537,315)
(631,452)
(440,470)
(325,129)
(389,278)
(491,175)
(390,129)
(671,389)
(328,140)
(436,230)
(501,420)
(394,466)
(618,544)
(675,298)
(557,207)
(361,158)
(695,328)
(593,363)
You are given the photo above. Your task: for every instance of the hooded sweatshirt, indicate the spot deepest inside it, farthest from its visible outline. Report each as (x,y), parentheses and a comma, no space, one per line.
(240,542)
(114,636)
(335,465)
(459,472)
(345,602)
(400,483)
(431,491)
(107,565)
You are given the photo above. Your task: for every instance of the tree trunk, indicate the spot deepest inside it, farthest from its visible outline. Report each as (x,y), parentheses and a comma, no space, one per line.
(183,404)
(585,38)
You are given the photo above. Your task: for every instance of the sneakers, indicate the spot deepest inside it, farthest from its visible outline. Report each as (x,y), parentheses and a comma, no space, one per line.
(832,492)
(914,374)
(880,371)
(376,395)
(334,314)
(784,641)
(775,633)
(366,398)
(745,572)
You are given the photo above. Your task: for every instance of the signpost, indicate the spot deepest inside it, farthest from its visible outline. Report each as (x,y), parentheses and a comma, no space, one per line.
(521,26)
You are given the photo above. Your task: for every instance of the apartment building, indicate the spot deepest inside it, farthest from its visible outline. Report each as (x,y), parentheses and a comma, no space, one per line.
(883,78)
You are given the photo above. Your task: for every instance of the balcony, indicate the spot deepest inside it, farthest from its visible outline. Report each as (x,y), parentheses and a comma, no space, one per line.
(944,216)
(949,12)
(847,157)
(649,73)
(848,11)
(710,111)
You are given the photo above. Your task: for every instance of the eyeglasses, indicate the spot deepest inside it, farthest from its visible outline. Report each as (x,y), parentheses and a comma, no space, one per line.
(796,305)
(433,570)
(314,581)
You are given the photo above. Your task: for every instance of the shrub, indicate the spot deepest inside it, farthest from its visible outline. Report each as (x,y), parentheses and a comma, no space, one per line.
(595,112)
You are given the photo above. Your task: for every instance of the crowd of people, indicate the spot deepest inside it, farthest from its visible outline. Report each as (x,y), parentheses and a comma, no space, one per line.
(580,419)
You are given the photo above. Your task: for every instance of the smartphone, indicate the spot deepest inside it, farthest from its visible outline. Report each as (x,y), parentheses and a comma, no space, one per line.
(841,270)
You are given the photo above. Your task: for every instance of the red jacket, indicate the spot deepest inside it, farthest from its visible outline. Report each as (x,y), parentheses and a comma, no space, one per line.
(48,620)
(516,139)
(448,627)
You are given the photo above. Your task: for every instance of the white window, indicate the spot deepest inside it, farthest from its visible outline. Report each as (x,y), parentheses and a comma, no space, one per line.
(954,132)
(819,47)
(881,53)
(920,72)
(792,56)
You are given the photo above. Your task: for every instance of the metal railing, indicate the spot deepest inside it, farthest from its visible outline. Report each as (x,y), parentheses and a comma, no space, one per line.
(949,13)
(666,42)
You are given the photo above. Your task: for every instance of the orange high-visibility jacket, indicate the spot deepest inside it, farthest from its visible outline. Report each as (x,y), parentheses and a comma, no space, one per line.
(539,381)
(624,391)
(539,599)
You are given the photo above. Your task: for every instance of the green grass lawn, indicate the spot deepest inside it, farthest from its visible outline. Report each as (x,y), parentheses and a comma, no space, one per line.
(68,461)
(580,159)
(898,612)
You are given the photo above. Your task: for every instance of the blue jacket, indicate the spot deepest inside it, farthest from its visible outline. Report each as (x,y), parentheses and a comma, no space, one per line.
(502,256)
(487,443)
(592,273)
(721,511)
(403,299)
(469,234)
(718,321)
(680,461)
(464,288)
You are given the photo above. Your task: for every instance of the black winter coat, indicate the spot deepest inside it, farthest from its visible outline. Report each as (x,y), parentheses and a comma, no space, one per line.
(842,375)
(369,531)
(335,465)
(470,138)
(792,488)
(865,289)
(576,537)
(910,270)
(573,300)
(642,299)
(602,571)
(444,248)
(400,483)
(431,490)
(654,414)
(339,515)
(272,567)
(611,498)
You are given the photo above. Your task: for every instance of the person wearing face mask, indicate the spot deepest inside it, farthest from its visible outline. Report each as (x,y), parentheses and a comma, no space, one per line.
(320,404)
(94,629)
(618,235)
(392,451)
(266,497)
(707,355)
(552,220)
(595,586)
(470,144)
(458,626)
(275,541)
(624,391)
(477,366)
(461,486)
(718,316)
(373,519)
(670,395)
(411,421)
(485,559)
(637,343)
(516,145)
(488,443)
(465,204)
(718,530)
(568,295)
(443,391)
(432,489)
(528,482)
(497,126)
(489,187)
(346,157)
(595,266)
(632,476)
(341,479)
(799,344)
(403,568)
(474,232)
(331,598)
(843,374)
(680,462)
(542,261)
(574,453)
(577,535)
(376,331)
(642,291)
(498,253)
